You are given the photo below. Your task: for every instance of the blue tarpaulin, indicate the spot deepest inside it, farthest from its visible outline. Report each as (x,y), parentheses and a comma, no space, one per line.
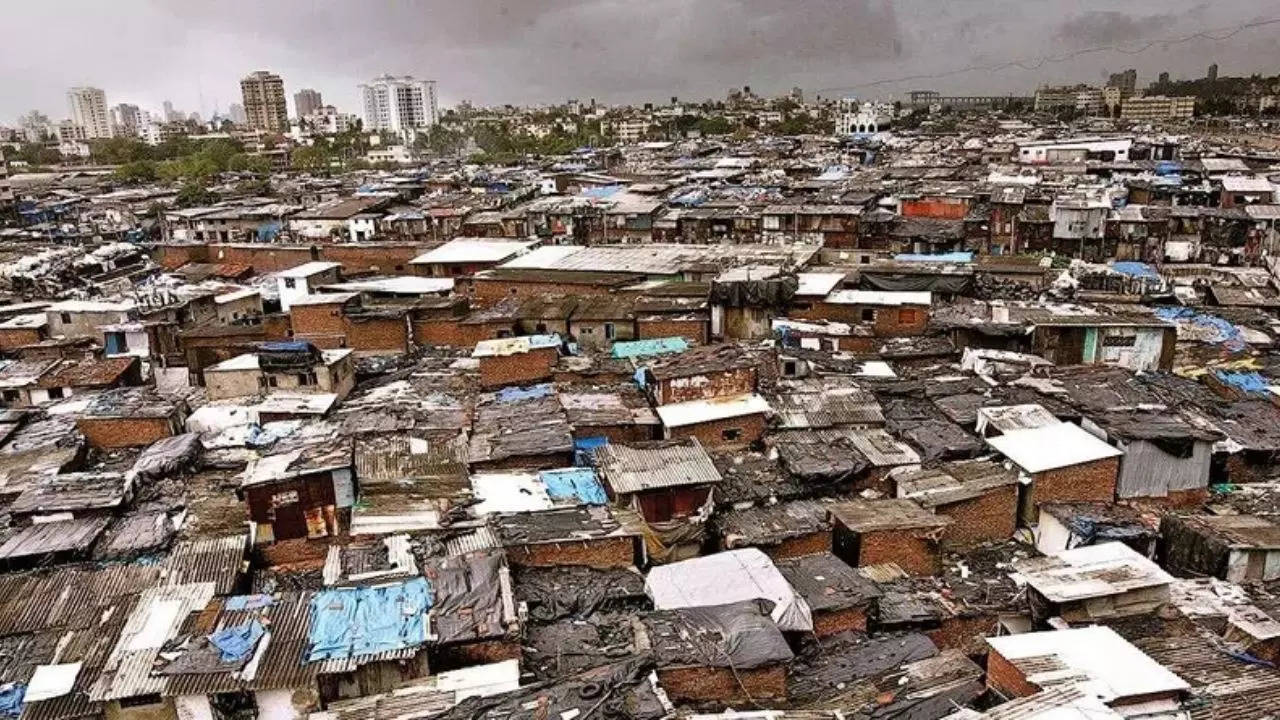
(238,641)
(1135,269)
(248,602)
(578,483)
(653,346)
(950,257)
(1225,334)
(367,620)
(1250,382)
(601,192)
(517,394)
(268,231)
(11,695)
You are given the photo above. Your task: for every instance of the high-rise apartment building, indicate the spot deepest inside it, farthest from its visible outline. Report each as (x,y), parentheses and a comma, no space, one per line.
(1127,81)
(306,102)
(1158,107)
(399,104)
(125,120)
(235,111)
(264,101)
(88,106)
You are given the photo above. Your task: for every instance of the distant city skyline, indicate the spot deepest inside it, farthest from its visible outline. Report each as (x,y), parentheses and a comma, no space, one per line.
(496,52)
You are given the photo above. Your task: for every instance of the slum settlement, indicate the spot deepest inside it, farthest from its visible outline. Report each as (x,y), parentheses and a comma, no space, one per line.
(955,427)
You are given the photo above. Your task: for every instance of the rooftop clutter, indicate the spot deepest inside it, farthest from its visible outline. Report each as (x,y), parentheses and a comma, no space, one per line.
(911,426)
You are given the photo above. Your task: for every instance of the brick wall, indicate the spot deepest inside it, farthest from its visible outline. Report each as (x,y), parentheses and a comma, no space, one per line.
(705,387)
(378,335)
(1003,677)
(993,516)
(966,633)
(1087,482)
(695,331)
(723,685)
(175,256)
(615,433)
(832,622)
(811,544)
(886,321)
(912,552)
(17,337)
(712,434)
(391,259)
(276,326)
(613,552)
(317,320)
(125,432)
(533,366)
(1240,470)
(262,258)
(490,290)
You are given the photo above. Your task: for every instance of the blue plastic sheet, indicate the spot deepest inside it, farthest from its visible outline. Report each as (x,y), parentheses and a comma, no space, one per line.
(517,394)
(11,695)
(1226,334)
(1250,382)
(367,620)
(577,484)
(238,641)
(1135,269)
(654,346)
(248,602)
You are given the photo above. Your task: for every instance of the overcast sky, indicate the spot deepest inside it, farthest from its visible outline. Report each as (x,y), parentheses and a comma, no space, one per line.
(193,52)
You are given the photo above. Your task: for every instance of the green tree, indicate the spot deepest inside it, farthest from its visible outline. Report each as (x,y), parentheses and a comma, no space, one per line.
(137,172)
(194,195)
(310,159)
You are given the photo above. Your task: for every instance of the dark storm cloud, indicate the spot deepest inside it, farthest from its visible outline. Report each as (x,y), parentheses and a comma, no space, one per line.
(1111,27)
(530,51)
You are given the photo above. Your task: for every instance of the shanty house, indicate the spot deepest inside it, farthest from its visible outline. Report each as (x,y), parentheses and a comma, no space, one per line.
(782,530)
(130,417)
(721,422)
(725,577)
(874,532)
(295,367)
(467,256)
(588,535)
(1095,659)
(1164,456)
(300,493)
(839,598)
(726,653)
(663,480)
(517,360)
(1059,463)
(980,497)
(305,280)
(1093,583)
(1237,548)
(889,313)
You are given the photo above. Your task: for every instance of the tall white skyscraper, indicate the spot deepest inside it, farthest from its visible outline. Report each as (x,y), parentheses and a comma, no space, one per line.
(399,104)
(236,112)
(88,107)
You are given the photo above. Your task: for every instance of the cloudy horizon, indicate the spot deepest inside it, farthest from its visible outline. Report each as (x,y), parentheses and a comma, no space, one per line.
(547,51)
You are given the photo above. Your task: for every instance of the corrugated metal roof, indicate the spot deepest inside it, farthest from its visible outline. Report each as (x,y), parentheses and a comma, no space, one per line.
(54,537)
(158,616)
(215,560)
(634,467)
